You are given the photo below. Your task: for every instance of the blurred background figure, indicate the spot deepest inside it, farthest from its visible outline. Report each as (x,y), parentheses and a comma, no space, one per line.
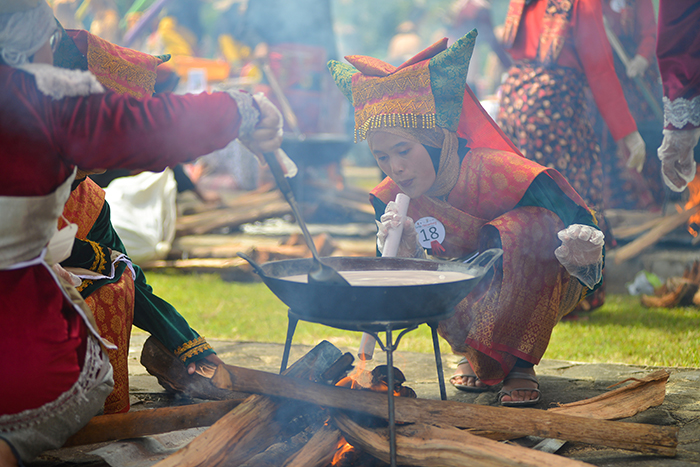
(631,27)
(490,59)
(677,51)
(560,50)
(405,44)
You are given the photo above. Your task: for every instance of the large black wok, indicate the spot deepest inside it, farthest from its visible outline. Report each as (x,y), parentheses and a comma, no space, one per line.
(373,308)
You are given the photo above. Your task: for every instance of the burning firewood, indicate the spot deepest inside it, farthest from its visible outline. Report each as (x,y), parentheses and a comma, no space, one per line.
(677,291)
(521,422)
(378,382)
(426,445)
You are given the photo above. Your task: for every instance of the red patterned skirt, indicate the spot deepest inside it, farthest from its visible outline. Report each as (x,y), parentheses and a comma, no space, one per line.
(512,311)
(543,111)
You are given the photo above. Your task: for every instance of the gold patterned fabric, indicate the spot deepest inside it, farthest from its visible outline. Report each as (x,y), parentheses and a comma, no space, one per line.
(192,348)
(555,28)
(112,304)
(512,311)
(120,69)
(113,308)
(424,92)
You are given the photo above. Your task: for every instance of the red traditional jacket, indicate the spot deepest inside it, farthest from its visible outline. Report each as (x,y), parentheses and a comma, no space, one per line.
(491,183)
(678,53)
(41,140)
(570,33)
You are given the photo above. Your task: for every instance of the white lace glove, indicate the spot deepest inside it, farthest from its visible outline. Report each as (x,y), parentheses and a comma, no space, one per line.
(637,66)
(633,145)
(676,154)
(408,246)
(581,253)
(267,134)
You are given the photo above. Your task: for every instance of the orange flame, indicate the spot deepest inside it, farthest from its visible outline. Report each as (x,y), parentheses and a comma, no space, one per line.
(341,450)
(693,200)
(359,378)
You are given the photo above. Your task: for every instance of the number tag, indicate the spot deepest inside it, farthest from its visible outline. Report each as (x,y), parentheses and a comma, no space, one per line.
(429,229)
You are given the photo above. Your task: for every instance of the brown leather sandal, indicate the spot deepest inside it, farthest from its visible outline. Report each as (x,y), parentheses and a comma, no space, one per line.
(519,375)
(464,387)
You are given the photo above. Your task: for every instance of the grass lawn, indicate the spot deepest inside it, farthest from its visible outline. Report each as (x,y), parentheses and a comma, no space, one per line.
(622,331)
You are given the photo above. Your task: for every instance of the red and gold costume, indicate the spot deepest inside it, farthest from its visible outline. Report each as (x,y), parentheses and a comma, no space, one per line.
(44,136)
(123,297)
(495,199)
(560,48)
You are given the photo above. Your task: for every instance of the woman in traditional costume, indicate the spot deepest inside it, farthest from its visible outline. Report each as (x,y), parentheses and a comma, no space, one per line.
(114,288)
(560,51)
(470,190)
(56,374)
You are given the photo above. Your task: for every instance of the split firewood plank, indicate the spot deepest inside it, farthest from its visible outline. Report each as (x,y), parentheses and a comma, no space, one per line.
(632,230)
(624,402)
(240,203)
(279,453)
(319,451)
(669,224)
(230,269)
(150,422)
(426,446)
(234,218)
(619,403)
(651,439)
(254,425)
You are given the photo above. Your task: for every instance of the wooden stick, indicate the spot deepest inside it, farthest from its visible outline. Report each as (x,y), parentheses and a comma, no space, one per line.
(149,422)
(670,224)
(425,446)
(254,425)
(522,422)
(632,230)
(319,451)
(623,402)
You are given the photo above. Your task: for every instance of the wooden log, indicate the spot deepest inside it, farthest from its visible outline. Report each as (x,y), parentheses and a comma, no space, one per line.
(252,426)
(150,422)
(239,203)
(319,451)
(426,446)
(623,402)
(669,224)
(234,218)
(633,230)
(279,453)
(649,439)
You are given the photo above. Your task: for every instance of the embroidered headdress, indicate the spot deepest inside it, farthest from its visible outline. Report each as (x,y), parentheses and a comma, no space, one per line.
(424,92)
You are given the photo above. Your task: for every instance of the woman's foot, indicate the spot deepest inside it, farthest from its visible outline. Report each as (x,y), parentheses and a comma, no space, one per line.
(465,379)
(520,388)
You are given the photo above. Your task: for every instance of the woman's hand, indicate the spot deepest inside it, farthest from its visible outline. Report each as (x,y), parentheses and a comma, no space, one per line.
(267,134)
(581,253)
(205,366)
(632,146)
(408,245)
(676,154)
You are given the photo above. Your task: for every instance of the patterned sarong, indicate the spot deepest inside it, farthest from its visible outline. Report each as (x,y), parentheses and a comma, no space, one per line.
(543,111)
